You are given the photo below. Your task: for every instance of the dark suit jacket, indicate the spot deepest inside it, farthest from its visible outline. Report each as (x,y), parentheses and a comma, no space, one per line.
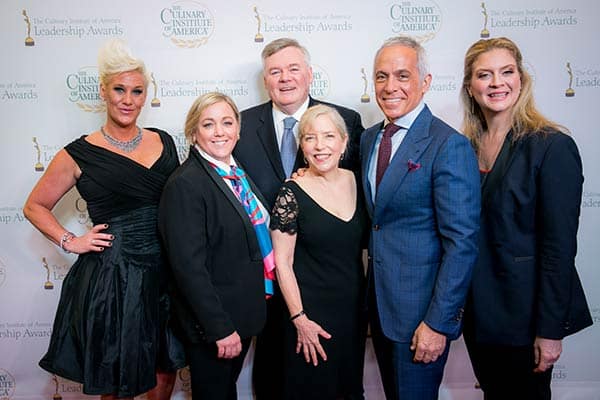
(525,283)
(258,153)
(425,221)
(214,255)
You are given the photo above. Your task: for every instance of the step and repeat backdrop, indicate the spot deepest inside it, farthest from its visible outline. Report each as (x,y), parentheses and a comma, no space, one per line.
(49,96)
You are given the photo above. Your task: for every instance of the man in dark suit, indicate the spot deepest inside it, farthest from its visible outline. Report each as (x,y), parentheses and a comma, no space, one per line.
(264,152)
(421,184)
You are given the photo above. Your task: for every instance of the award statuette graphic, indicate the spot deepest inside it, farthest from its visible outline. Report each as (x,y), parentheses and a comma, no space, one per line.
(28,40)
(258,38)
(48,285)
(570,92)
(38,165)
(56,395)
(365,98)
(484,32)
(155,101)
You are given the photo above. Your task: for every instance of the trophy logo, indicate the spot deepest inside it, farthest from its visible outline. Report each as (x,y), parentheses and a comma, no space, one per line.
(28,40)
(570,92)
(258,38)
(38,165)
(365,98)
(155,101)
(2,273)
(83,216)
(48,285)
(484,32)
(56,395)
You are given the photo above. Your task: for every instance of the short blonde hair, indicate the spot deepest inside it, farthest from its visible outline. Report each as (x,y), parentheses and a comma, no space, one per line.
(201,104)
(318,110)
(115,57)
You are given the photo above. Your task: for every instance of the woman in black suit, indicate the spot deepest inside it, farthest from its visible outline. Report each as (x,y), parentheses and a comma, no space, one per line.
(214,228)
(525,295)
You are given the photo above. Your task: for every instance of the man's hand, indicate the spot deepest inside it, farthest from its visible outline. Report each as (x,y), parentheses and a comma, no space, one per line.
(547,352)
(427,344)
(230,346)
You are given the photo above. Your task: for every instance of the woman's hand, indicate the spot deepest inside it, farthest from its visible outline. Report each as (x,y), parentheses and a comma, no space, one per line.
(230,346)
(93,240)
(308,339)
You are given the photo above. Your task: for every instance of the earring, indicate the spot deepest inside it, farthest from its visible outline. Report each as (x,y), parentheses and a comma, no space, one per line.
(342,155)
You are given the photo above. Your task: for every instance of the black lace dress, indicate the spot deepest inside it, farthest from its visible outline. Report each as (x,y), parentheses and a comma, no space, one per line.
(329,270)
(110,327)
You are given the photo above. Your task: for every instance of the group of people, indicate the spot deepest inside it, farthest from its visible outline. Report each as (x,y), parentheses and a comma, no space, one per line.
(185,265)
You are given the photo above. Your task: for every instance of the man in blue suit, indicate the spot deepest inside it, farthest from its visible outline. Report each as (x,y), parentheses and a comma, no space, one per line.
(422,189)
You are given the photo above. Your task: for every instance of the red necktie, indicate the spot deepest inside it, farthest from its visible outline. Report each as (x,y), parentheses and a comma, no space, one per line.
(385,151)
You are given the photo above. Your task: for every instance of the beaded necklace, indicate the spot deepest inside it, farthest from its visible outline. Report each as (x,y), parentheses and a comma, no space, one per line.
(127,146)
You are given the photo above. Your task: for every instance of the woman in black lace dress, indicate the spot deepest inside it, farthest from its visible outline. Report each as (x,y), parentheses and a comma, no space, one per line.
(110,327)
(318,226)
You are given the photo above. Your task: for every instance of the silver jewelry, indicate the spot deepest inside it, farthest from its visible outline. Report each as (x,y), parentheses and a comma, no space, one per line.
(66,238)
(127,146)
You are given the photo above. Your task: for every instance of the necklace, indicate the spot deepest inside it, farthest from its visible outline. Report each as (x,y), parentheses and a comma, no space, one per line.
(127,146)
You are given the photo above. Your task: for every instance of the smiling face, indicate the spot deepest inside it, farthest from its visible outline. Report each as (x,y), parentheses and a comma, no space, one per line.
(398,85)
(218,131)
(125,95)
(496,83)
(287,78)
(322,144)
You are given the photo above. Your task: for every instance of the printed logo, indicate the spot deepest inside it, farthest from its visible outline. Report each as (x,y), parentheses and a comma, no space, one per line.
(38,152)
(533,18)
(7,384)
(155,102)
(48,285)
(84,90)
(570,92)
(187,24)
(82,212)
(28,39)
(258,38)
(365,98)
(2,273)
(421,19)
(484,32)
(320,86)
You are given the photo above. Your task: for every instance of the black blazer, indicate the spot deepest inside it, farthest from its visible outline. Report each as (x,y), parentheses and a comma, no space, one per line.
(214,255)
(525,283)
(258,152)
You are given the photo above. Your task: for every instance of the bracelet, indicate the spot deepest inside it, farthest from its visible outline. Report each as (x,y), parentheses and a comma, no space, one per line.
(301,313)
(66,238)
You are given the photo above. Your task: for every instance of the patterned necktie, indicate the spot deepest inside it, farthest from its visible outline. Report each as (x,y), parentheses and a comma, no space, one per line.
(385,151)
(288,146)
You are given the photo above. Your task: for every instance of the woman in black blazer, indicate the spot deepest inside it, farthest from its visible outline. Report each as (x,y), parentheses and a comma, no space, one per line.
(213,226)
(525,295)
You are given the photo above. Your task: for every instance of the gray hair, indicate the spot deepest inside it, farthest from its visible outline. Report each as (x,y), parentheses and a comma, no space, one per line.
(410,42)
(280,44)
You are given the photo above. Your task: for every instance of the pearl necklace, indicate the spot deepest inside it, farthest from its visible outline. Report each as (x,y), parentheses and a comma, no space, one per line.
(127,146)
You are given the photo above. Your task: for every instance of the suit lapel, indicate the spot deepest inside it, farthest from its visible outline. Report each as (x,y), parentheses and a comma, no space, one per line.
(268,138)
(368,144)
(492,180)
(226,190)
(412,148)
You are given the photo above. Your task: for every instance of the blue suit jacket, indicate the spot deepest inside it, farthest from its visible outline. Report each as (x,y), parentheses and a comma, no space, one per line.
(425,222)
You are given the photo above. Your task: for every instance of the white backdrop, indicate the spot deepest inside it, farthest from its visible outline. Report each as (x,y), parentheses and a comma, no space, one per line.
(49,96)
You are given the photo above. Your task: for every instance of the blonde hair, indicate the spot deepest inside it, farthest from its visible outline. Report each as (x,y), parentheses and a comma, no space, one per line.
(525,118)
(316,111)
(201,104)
(115,57)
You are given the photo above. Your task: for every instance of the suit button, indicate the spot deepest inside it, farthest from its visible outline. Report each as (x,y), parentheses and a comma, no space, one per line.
(375,227)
